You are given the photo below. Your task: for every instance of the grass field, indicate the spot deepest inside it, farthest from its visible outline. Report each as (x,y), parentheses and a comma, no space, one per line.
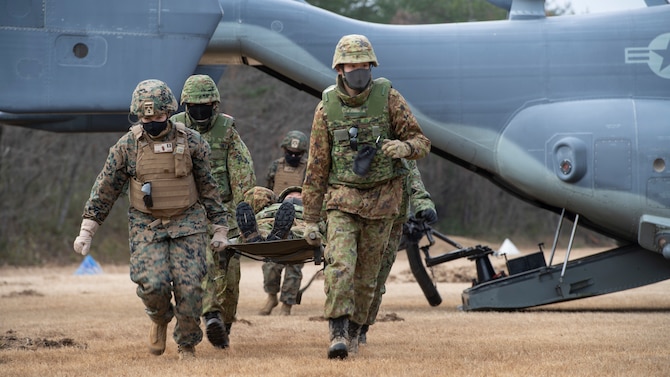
(54,323)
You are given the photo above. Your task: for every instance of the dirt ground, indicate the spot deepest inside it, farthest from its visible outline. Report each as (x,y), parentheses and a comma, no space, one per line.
(55,323)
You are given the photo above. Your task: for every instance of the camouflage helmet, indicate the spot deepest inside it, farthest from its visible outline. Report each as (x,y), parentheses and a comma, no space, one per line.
(200,89)
(354,48)
(259,197)
(288,190)
(152,97)
(295,141)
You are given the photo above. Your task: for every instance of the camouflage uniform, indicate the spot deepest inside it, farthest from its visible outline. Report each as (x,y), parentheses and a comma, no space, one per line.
(360,209)
(280,176)
(233,169)
(415,194)
(166,254)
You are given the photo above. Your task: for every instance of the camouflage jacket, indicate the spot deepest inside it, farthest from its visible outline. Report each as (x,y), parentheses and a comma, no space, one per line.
(239,165)
(415,194)
(120,168)
(378,202)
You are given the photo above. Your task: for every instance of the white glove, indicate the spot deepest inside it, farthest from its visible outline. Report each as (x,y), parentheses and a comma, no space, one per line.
(219,238)
(312,234)
(396,148)
(82,244)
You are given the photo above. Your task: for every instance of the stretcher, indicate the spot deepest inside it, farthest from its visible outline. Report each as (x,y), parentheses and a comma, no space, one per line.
(292,251)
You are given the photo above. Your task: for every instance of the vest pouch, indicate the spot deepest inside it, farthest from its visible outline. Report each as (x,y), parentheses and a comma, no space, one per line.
(182,161)
(363,160)
(171,197)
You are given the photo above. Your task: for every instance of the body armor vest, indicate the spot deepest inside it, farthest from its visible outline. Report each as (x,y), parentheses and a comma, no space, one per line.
(218,137)
(167,166)
(352,128)
(287,176)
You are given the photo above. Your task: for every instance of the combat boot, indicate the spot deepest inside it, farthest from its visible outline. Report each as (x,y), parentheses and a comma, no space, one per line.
(246,221)
(270,303)
(186,352)
(157,336)
(283,221)
(216,331)
(228,327)
(338,337)
(354,331)
(285,309)
(362,336)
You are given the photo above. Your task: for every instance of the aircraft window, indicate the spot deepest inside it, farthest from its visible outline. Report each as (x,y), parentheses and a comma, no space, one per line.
(80,50)
(659,165)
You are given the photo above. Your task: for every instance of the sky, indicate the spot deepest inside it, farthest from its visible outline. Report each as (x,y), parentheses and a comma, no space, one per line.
(598,6)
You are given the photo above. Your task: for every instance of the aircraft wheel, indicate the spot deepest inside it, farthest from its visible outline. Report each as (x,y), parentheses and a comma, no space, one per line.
(421,275)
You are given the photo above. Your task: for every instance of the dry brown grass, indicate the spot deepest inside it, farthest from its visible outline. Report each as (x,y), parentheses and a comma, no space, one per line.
(53,323)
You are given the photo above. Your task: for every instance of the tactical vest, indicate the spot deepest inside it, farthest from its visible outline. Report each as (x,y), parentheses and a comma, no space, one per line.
(287,175)
(373,125)
(168,167)
(219,139)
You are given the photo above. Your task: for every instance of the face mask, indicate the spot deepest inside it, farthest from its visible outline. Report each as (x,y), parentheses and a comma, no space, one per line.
(154,128)
(358,79)
(292,158)
(200,113)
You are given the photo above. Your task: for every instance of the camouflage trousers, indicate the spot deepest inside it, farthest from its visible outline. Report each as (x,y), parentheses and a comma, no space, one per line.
(221,288)
(292,279)
(353,255)
(388,258)
(165,265)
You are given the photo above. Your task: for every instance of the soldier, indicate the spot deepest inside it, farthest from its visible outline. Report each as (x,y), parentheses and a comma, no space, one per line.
(285,172)
(168,231)
(290,169)
(233,170)
(264,216)
(362,189)
(415,194)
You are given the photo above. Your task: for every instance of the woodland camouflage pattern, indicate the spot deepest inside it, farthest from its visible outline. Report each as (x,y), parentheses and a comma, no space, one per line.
(359,221)
(166,255)
(233,169)
(200,89)
(354,48)
(419,198)
(156,92)
(295,141)
(272,283)
(376,203)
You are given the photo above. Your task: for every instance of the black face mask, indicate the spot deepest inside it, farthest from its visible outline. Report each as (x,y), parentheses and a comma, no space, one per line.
(154,128)
(292,158)
(201,113)
(358,79)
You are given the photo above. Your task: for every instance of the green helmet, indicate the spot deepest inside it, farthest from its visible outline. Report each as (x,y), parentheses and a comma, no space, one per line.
(200,89)
(152,97)
(295,141)
(288,190)
(354,48)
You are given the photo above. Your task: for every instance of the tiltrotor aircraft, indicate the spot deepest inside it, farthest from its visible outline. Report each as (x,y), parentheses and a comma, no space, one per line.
(569,113)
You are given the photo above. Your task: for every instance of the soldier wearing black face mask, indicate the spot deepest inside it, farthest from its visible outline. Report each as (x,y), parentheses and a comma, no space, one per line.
(289,170)
(285,173)
(233,170)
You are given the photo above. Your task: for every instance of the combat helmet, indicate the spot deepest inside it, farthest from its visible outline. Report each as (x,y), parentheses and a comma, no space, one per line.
(200,89)
(288,190)
(259,197)
(354,48)
(295,141)
(152,97)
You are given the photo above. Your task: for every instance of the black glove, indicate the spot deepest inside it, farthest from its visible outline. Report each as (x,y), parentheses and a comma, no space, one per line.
(364,160)
(428,215)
